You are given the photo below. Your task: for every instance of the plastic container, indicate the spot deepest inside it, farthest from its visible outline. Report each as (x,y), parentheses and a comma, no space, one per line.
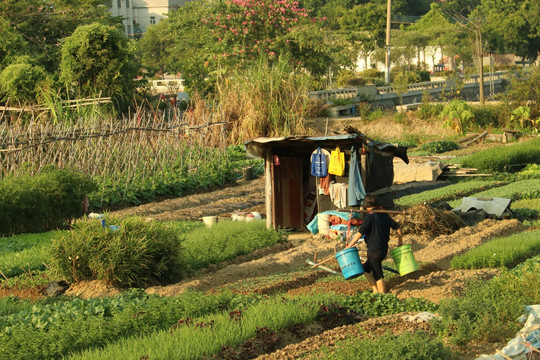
(209,220)
(349,263)
(323,223)
(404,259)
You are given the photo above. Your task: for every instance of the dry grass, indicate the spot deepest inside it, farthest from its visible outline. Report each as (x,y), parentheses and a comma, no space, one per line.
(424,219)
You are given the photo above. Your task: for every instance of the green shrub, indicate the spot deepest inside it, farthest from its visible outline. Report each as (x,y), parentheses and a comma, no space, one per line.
(439,146)
(532,170)
(457,115)
(406,346)
(501,252)
(428,111)
(501,158)
(355,82)
(45,201)
(372,74)
(424,75)
(489,311)
(340,101)
(134,255)
(21,81)
(363,110)
(485,116)
(524,91)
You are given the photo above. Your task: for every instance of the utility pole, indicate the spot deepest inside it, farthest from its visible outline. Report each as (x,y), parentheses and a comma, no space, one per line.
(388,23)
(479,50)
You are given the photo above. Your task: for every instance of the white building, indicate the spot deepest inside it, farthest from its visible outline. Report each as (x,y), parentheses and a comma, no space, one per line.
(140,14)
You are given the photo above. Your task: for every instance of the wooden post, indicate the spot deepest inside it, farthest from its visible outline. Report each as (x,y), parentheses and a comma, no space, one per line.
(363,167)
(268,188)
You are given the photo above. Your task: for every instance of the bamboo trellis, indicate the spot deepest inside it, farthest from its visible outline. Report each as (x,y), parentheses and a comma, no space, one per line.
(142,146)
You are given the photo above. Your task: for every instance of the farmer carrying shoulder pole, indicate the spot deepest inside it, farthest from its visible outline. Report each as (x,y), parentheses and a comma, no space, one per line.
(376,228)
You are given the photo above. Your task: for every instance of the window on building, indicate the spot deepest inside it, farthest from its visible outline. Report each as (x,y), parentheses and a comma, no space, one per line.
(119,4)
(152,20)
(127,4)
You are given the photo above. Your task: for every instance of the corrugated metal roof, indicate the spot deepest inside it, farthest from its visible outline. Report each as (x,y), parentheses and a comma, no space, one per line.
(256,147)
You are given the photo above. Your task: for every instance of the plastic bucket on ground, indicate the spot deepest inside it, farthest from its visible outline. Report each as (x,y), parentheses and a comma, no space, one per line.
(323,223)
(209,220)
(349,263)
(404,259)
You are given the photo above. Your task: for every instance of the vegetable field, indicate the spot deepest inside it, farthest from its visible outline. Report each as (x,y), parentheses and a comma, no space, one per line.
(241,291)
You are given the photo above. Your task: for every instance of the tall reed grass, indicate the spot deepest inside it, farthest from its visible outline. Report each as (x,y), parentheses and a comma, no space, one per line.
(266,99)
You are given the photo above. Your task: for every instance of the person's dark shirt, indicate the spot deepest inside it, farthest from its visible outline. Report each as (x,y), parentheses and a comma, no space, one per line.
(376,230)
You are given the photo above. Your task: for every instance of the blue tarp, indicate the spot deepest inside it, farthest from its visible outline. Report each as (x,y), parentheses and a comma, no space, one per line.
(313,226)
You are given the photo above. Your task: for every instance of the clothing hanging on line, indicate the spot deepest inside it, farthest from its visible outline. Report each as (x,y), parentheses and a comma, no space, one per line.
(338,194)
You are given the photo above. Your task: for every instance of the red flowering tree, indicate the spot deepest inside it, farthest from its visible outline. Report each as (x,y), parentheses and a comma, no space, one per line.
(247,28)
(234,33)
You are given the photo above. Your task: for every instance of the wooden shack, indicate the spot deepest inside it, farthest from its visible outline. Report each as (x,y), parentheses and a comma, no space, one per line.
(294,196)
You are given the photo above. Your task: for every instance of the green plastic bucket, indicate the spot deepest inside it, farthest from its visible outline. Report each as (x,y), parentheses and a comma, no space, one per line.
(404,259)
(349,263)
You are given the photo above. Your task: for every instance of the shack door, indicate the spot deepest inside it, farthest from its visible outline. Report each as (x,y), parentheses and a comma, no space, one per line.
(287,209)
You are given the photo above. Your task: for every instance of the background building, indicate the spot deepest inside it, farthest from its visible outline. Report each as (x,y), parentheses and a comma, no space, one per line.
(140,14)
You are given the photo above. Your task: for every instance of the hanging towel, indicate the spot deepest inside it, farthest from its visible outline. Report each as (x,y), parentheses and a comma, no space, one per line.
(356,188)
(338,194)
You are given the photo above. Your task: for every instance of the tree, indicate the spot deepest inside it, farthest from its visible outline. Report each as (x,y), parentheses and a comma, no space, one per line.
(438,29)
(12,43)
(21,81)
(511,26)
(96,59)
(460,7)
(43,24)
(153,49)
(208,38)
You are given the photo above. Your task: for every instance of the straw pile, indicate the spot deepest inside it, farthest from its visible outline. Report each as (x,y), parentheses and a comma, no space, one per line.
(424,219)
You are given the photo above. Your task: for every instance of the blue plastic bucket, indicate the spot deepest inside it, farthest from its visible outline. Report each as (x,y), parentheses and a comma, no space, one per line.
(349,263)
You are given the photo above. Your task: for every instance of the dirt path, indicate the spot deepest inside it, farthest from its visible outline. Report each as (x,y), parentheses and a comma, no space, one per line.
(244,196)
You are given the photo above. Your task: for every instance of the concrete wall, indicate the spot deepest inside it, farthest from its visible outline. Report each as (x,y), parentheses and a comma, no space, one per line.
(389,96)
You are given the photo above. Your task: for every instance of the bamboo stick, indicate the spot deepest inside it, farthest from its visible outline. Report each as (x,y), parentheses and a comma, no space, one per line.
(325,260)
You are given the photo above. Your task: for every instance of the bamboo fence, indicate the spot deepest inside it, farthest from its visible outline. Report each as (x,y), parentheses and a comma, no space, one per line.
(144,145)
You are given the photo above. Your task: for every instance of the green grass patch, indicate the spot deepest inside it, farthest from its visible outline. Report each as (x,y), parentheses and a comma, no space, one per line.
(10,305)
(207,335)
(25,251)
(522,189)
(488,311)
(532,204)
(250,284)
(501,252)
(225,241)
(62,326)
(370,304)
(502,158)
(406,346)
(458,190)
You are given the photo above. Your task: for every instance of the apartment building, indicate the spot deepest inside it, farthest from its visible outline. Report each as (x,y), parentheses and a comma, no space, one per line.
(140,14)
